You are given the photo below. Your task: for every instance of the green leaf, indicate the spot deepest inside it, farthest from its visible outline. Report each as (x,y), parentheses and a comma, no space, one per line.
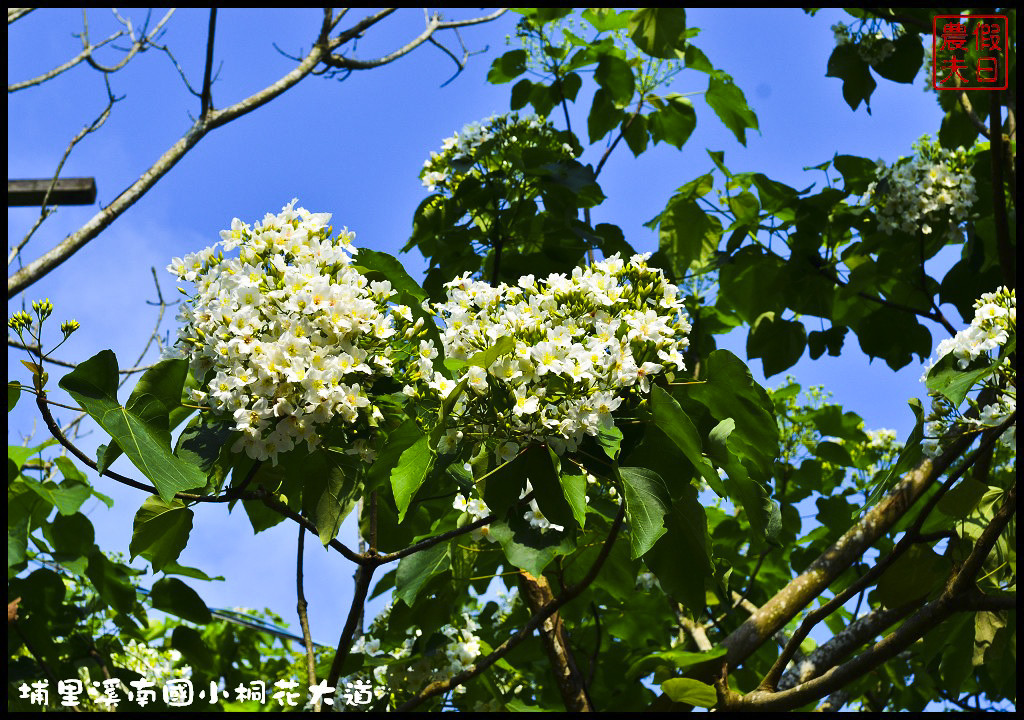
(673,422)
(173,596)
(399,439)
(510,65)
(111,581)
(895,336)
(336,502)
(203,442)
(610,439)
(647,503)
(541,467)
(415,570)
(67,497)
(173,568)
(903,64)
(659,32)
(160,531)
(745,483)
(846,63)
(681,660)
(778,342)
(13,393)
(142,432)
(674,120)
(681,558)
(690,691)
(574,488)
(615,76)
(528,547)
(73,535)
(17,543)
(834,453)
(410,472)
(729,104)
(912,576)
(949,380)
(192,647)
(604,116)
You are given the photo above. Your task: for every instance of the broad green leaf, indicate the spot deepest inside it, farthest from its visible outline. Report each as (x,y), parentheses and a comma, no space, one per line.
(659,32)
(604,116)
(541,468)
(846,63)
(416,569)
(681,660)
(160,531)
(687,235)
(728,102)
(778,342)
(68,496)
(615,76)
(681,558)
(895,336)
(70,534)
(673,121)
(609,438)
(834,453)
(398,441)
(173,568)
(647,503)
(173,596)
(904,62)
(111,581)
(13,393)
(336,502)
(17,543)
(510,65)
(154,399)
(202,442)
(528,547)
(193,648)
(690,691)
(146,442)
(69,471)
(673,422)
(913,575)
(949,380)
(574,487)
(376,265)
(745,487)
(410,472)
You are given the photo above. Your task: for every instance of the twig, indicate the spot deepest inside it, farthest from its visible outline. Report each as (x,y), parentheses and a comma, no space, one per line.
(207,99)
(300,604)
(1006,254)
(46,211)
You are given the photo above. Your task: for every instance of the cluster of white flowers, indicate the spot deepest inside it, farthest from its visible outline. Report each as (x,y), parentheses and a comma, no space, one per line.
(995,319)
(930,192)
(993,326)
(873,47)
(583,345)
(287,336)
(459,154)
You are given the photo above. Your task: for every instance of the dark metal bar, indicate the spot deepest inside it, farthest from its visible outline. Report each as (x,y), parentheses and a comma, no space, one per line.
(68,191)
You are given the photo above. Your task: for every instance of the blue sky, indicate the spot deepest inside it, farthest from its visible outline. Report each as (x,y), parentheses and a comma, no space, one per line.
(355,148)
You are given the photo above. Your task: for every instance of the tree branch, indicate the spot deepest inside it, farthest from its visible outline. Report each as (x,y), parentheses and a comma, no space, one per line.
(536,592)
(957,597)
(300,606)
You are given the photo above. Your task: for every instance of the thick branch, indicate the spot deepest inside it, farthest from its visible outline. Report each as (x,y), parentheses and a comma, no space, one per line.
(537,593)
(364,573)
(957,597)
